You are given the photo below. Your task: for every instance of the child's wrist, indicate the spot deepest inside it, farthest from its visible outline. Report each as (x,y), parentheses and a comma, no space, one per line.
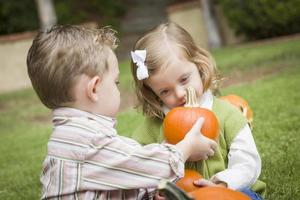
(185,149)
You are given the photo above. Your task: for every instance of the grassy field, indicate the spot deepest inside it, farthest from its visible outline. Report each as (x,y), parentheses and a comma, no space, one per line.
(25,123)
(257,55)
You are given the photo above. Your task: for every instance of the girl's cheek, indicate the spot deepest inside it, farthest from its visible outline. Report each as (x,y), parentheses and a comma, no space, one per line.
(169,103)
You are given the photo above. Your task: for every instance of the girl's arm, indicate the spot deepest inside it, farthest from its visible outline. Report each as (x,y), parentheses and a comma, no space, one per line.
(244,163)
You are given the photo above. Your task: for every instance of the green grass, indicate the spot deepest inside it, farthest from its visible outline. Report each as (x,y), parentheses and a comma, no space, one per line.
(125,76)
(275,102)
(258,55)
(25,123)
(23,139)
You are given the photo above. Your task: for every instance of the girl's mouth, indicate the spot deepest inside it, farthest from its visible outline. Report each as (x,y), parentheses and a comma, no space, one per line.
(181,105)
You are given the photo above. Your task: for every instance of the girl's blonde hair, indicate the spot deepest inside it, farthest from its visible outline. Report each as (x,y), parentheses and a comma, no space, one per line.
(59,55)
(161,43)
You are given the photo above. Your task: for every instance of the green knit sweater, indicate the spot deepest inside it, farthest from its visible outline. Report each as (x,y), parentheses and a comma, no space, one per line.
(231,121)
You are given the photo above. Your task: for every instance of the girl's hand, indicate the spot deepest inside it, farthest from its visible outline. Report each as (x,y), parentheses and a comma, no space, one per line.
(204,183)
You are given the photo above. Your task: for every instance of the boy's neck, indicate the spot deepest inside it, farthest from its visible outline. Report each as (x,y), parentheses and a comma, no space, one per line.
(83,107)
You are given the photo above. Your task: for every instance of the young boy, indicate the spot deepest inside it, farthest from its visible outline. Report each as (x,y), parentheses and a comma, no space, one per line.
(74,71)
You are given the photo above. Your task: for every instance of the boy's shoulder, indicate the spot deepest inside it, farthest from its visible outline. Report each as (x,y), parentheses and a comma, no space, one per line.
(81,127)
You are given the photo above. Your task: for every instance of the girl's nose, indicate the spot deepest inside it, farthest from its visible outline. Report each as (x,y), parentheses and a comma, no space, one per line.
(180,92)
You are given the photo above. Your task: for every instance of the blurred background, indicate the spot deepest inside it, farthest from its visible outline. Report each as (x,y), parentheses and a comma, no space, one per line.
(212,23)
(256,45)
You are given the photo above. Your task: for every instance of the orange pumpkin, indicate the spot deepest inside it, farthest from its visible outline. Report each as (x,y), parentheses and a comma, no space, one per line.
(186,183)
(241,104)
(170,191)
(180,120)
(218,193)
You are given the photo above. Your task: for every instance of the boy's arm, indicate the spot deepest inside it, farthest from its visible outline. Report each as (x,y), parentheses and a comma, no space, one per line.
(112,162)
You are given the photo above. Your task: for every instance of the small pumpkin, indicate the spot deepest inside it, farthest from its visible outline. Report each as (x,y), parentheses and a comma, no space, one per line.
(186,183)
(242,105)
(217,193)
(171,192)
(180,120)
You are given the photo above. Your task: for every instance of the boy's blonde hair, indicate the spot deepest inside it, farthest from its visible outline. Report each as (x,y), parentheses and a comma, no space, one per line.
(161,43)
(59,55)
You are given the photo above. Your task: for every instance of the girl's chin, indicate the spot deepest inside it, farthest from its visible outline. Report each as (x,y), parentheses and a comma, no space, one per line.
(180,105)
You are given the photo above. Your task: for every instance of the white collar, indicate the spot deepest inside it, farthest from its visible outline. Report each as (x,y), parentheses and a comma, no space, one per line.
(205,101)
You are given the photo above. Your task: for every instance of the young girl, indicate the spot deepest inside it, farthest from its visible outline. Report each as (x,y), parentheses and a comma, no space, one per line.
(165,62)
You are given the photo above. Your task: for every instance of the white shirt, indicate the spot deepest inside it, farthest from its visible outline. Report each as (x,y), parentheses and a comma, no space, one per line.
(244,163)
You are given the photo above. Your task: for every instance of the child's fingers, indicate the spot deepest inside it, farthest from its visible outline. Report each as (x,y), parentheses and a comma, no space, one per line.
(194,131)
(203,182)
(211,152)
(214,145)
(205,157)
(198,124)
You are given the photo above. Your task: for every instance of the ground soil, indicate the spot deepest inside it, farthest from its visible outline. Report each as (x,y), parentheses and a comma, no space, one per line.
(250,76)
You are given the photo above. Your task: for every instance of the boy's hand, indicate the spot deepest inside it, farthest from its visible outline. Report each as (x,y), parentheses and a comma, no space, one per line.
(204,182)
(201,146)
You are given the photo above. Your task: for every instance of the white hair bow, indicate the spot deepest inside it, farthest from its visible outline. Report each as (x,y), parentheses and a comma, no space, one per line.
(139,57)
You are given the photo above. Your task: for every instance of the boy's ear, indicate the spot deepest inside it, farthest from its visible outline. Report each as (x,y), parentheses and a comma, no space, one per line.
(92,88)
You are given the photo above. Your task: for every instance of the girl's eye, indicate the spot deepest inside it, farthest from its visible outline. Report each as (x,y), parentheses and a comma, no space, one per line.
(184,80)
(164,93)
(117,82)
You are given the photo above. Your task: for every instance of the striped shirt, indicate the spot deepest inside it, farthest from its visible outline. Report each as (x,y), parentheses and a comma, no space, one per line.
(86,159)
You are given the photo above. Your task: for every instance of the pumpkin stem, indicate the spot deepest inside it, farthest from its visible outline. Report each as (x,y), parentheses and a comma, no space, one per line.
(191,98)
(170,191)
